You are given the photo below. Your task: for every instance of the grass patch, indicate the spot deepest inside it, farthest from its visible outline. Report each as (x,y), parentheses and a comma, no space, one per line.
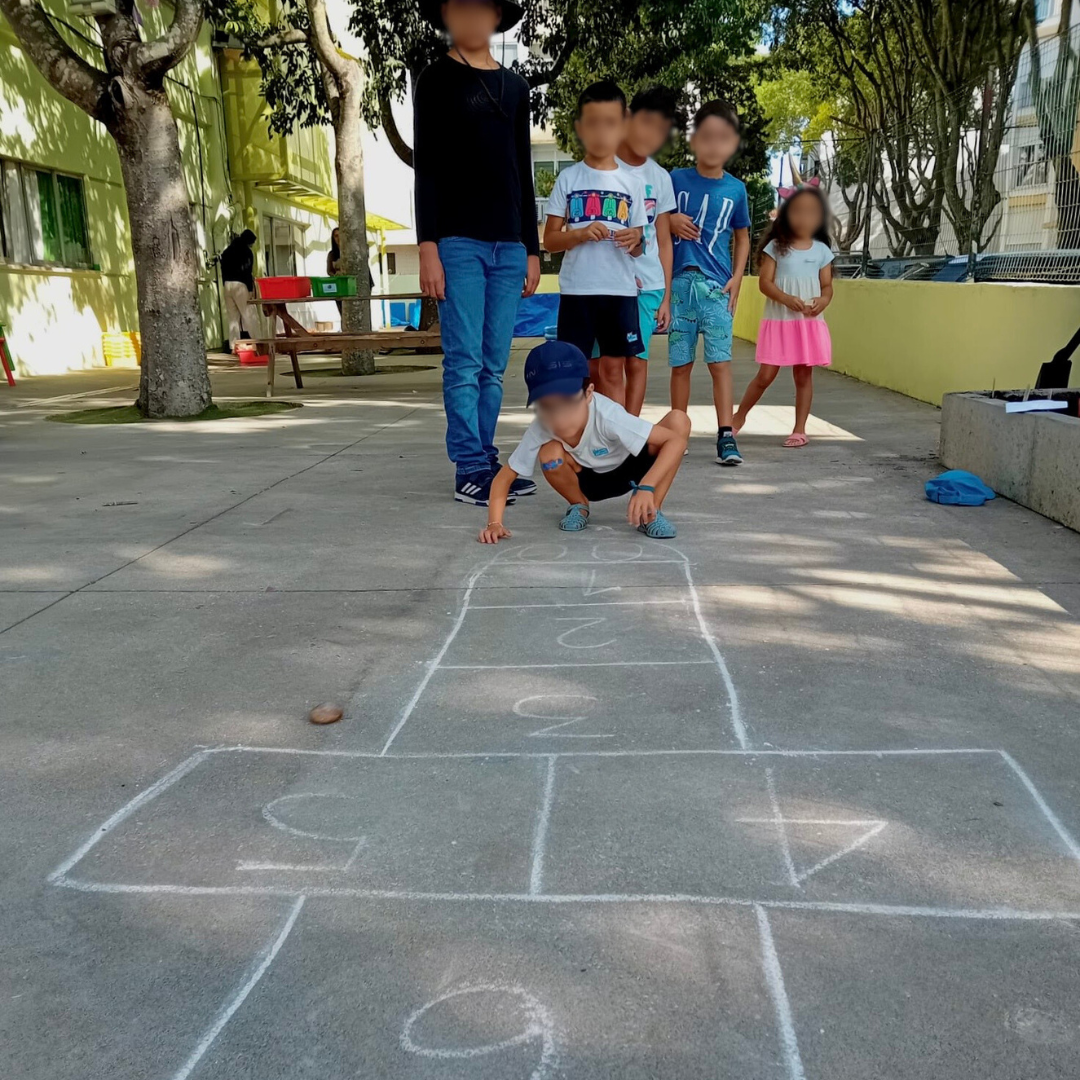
(128,414)
(382,369)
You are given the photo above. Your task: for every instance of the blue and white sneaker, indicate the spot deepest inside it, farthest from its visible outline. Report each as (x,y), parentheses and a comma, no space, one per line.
(523,486)
(575,519)
(727,450)
(659,528)
(475,488)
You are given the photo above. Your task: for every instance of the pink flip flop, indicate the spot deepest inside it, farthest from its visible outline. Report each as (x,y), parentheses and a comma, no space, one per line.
(795,440)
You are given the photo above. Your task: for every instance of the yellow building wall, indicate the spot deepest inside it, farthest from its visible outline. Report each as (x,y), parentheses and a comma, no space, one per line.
(927,339)
(55,316)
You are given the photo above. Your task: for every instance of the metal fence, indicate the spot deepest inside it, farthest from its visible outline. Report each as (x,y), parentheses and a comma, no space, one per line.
(992,196)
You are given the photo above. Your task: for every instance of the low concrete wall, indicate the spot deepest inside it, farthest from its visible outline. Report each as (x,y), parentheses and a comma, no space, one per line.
(1031,458)
(927,339)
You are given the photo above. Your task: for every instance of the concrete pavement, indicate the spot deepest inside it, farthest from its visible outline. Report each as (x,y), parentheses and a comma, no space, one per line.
(793,797)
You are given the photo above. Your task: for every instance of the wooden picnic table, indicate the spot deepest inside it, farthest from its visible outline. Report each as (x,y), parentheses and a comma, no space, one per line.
(297,338)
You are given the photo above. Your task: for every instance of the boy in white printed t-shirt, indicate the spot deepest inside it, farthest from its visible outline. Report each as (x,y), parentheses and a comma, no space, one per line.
(597,216)
(589,448)
(653,113)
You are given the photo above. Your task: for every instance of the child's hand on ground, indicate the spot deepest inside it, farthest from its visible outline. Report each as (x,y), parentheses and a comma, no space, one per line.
(663,315)
(682,226)
(732,290)
(595,231)
(642,508)
(493,533)
(627,239)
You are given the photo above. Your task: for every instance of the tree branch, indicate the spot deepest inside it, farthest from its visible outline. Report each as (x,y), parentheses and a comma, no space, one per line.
(62,67)
(157,57)
(325,47)
(281,39)
(393,134)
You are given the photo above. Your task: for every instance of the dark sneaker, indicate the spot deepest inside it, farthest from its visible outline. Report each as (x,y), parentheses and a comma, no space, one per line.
(475,488)
(727,450)
(523,486)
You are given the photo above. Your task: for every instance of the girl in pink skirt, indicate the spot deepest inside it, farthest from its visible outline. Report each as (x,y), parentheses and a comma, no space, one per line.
(795,274)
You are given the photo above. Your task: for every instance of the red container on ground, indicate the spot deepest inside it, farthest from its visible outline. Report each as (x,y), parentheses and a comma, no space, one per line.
(283,288)
(248,356)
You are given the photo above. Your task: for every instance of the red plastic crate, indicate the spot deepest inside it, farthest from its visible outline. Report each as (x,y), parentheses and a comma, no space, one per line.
(253,359)
(283,288)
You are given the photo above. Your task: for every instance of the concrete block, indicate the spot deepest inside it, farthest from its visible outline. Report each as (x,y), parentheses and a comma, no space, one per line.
(1031,458)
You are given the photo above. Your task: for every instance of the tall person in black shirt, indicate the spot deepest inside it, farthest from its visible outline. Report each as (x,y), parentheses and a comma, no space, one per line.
(476,224)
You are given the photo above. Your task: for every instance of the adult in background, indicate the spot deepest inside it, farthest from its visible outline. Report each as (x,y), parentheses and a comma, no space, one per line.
(238,281)
(476,224)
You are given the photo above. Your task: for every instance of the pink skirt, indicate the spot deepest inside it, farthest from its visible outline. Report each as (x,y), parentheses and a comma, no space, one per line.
(791,342)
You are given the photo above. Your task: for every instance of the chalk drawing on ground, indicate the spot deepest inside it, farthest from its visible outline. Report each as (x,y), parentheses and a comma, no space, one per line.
(579,632)
(596,578)
(561,721)
(539,1028)
(270,813)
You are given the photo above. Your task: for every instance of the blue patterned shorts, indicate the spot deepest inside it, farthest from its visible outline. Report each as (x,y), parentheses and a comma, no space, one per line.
(699,306)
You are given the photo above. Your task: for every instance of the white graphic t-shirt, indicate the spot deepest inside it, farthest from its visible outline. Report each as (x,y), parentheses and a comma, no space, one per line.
(614,197)
(611,436)
(659,199)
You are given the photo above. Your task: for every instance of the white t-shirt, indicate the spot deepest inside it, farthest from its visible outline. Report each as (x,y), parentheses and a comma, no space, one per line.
(614,197)
(659,199)
(611,436)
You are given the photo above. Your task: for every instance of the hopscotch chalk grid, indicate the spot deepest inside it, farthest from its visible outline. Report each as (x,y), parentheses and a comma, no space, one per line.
(751,833)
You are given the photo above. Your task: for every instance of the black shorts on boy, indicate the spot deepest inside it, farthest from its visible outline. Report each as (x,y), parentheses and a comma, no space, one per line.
(597,486)
(609,321)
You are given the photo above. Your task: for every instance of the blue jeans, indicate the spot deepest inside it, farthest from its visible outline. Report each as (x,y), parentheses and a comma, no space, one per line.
(483,288)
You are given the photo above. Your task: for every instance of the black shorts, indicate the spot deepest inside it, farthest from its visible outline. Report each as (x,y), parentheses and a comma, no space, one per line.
(608,321)
(597,486)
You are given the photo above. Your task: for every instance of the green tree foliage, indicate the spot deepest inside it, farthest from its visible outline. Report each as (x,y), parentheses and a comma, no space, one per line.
(796,109)
(544,182)
(926,83)
(700,46)
(703,49)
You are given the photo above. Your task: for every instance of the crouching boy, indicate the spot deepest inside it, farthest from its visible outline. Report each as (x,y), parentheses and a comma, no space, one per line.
(589,448)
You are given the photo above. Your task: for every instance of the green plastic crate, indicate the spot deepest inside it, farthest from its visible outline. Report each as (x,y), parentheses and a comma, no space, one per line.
(335,287)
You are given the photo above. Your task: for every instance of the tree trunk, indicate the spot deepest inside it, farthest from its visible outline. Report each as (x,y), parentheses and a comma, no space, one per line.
(352,220)
(174,380)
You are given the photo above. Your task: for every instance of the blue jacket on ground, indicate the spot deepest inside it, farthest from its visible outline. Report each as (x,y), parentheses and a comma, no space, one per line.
(958,488)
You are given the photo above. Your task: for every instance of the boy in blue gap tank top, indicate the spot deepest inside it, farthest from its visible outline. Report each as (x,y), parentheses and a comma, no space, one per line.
(712,210)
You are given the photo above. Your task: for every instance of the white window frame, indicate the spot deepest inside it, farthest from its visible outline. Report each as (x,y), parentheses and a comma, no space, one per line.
(26,173)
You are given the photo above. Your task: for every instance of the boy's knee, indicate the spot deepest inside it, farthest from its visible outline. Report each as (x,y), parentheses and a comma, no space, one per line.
(679,422)
(552,456)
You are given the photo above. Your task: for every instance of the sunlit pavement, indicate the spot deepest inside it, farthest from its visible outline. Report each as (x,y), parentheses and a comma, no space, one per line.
(795,796)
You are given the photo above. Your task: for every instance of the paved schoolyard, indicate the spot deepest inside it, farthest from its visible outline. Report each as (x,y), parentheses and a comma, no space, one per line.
(794,796)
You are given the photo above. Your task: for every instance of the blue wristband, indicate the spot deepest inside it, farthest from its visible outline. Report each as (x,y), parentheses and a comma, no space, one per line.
(642,487)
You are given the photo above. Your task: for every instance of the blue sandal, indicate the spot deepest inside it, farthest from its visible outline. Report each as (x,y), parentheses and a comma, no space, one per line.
(575,519)
(658,529)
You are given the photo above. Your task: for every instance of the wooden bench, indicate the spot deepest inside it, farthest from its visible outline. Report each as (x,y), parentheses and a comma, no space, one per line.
(331,342)
(297,338)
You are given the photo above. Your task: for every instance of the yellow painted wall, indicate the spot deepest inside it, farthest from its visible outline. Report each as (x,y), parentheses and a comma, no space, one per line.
(927,339)
(55,316)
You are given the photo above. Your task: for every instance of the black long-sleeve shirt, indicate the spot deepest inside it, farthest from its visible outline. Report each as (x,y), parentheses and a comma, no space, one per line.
(471,155)
(238,263)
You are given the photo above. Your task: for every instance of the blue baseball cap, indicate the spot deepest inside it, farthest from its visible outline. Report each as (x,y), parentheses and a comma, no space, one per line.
(556,367)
